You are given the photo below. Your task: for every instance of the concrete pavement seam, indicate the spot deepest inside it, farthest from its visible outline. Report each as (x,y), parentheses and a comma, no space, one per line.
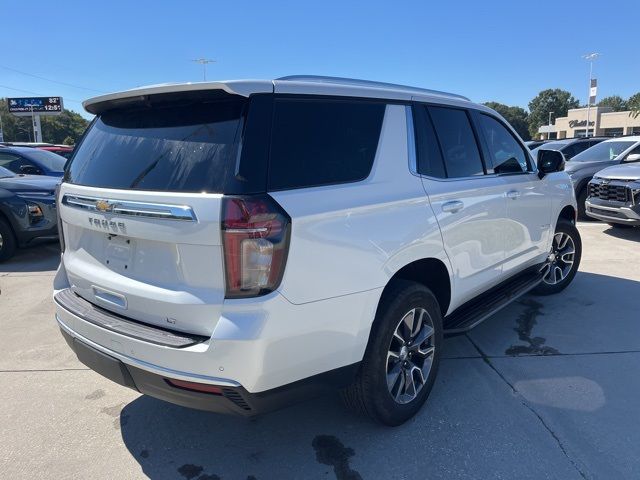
(523,401)
(532,355)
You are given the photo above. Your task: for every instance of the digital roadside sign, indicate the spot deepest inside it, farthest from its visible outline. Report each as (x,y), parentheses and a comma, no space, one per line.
(26,106)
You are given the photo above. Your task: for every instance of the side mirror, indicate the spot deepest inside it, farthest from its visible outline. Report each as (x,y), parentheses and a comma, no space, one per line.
(29,170)
(633,157)
(549,161)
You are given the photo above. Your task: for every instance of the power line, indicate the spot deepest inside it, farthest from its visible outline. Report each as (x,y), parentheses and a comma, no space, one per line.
(36,93)
(50,80)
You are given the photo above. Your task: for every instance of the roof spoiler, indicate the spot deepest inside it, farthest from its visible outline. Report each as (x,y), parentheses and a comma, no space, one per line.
(242,88)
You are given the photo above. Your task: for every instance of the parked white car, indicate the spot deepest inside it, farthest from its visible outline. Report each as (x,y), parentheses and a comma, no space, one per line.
(236,246)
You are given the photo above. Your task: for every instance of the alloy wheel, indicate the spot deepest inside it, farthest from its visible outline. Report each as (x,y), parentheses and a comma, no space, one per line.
(560,260)
(410,355)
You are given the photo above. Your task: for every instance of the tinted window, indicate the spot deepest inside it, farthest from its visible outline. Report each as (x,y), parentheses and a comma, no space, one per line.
(570,151)
(580,147)
(9,161)
(4,173)
(429,157)
(603,152)
(14,162)
(320,142)
(49,160)
(505,153)
(186,147)
(459,147)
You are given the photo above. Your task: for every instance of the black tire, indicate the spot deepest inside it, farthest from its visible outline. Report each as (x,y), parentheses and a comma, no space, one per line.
(7,241)
(581,198)
(620,225)
(369,393)
(567,228)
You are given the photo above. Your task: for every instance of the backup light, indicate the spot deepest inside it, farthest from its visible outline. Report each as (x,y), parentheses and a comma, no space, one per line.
(255,238)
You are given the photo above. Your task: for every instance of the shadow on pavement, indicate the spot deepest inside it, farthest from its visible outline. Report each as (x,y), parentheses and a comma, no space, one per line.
(473,424)
(631,233)
(471,427)
(40,257)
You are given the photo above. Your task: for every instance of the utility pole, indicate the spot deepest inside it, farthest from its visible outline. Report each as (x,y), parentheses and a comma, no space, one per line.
(549,131)
(204,62)
(590,57)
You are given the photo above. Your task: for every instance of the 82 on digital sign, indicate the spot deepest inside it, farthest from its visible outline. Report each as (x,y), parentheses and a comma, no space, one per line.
(37,105)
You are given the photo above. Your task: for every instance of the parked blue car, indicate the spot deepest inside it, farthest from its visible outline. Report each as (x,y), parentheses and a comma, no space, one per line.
(32,161)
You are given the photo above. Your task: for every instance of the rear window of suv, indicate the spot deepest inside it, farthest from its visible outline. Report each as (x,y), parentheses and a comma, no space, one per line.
(322,141)
(229,146)
(179,147)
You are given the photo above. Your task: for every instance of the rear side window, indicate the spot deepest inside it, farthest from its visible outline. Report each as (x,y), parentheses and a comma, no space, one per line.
(459,147)
(505,152)
(319,142)
(49,160)
(570,151)
(429,157)
(177,146)
(10,162)
(580,147)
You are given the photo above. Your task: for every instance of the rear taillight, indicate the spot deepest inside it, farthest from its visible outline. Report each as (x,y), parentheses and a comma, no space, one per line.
(255,239)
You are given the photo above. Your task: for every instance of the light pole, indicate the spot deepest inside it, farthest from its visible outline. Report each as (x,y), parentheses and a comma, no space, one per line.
(204,62)
(549,131)
(590,57)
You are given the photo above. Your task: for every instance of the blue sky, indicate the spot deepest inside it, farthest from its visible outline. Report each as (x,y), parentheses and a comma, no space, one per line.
(486,50)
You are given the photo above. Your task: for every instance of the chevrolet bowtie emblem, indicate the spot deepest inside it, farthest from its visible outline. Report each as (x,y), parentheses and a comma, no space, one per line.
(103,206)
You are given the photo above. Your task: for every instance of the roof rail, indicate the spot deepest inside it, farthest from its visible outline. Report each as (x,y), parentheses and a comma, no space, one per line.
(368,83)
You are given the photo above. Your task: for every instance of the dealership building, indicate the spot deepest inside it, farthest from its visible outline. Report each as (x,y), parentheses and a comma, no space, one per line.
(602,122)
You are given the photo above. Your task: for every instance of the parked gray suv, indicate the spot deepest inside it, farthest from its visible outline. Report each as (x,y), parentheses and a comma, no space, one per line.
(614,195)
(584,166)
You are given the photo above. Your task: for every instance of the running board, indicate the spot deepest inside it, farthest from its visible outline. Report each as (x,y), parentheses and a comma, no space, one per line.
(475,311)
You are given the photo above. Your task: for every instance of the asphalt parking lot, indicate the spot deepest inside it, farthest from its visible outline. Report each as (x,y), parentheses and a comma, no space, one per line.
(547,388)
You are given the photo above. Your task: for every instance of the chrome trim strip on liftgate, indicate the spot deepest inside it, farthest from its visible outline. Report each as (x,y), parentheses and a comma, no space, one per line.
(130,208)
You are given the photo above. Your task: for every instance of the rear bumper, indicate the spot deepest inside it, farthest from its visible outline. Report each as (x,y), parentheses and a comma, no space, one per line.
(609,212)
(230,400)
(257,346)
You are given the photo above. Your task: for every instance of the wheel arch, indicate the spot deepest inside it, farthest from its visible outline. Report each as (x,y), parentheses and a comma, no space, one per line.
(8,221)
(568,213)
(430,272)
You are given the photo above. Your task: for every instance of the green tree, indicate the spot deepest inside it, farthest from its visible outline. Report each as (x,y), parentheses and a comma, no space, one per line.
(55,129)
(633,104)
(67,124)
(69,141)
(551,100)
(516,116)
(15,129)
(616,102)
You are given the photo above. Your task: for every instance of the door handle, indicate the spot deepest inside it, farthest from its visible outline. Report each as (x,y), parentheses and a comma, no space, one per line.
(513,194)
(453,206)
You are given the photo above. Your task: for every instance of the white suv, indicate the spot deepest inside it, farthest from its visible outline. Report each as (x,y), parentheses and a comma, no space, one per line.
(236,246)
